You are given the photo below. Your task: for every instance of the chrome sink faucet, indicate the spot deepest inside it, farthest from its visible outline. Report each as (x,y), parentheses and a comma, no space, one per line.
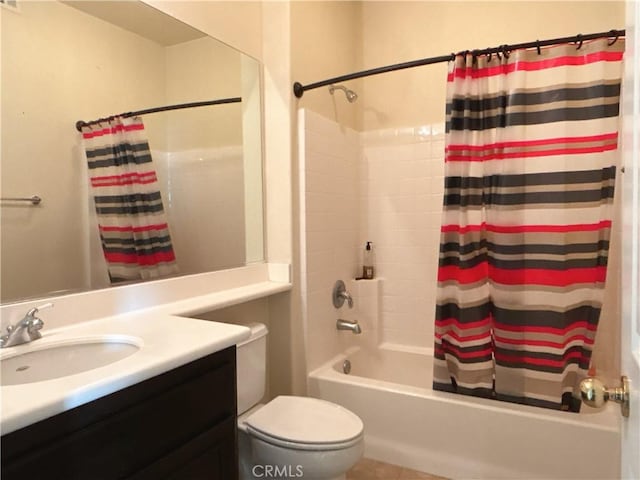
(26,330)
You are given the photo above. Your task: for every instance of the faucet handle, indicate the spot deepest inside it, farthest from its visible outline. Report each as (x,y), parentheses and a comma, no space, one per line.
(340,294)
(35,310)
(33,323)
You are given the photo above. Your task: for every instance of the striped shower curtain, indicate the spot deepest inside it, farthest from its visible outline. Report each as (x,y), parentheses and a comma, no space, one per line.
(131,220)
(531,153)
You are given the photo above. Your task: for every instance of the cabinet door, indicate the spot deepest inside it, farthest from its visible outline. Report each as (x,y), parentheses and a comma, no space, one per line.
(209,456)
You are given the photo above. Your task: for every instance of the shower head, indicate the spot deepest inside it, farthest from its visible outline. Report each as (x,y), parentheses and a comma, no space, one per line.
(350,94)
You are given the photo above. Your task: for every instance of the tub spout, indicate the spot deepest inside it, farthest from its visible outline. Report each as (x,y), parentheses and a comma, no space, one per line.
(348,325)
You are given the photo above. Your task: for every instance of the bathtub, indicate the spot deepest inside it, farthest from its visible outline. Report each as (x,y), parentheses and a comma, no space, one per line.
(409,424)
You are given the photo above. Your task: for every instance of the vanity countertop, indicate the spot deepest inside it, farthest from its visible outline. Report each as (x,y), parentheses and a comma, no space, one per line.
(165,341)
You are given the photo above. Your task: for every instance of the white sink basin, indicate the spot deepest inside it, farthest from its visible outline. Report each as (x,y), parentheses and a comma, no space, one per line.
(49,361)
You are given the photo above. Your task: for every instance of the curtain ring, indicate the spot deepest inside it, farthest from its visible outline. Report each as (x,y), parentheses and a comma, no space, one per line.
(505,51)
(579,40)
(617,34)
(453,57)
(538,47)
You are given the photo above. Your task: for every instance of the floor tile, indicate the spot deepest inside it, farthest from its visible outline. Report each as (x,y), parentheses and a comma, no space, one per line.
(408,474)
(368,469)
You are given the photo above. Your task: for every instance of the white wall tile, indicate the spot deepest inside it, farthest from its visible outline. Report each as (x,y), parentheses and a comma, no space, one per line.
(385,187)
(402,217)
(330,168)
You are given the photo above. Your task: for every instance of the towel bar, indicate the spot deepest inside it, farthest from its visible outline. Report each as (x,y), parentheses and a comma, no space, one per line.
(34,200)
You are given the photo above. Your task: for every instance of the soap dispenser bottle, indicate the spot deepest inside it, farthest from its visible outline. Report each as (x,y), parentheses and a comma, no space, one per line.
(367,262)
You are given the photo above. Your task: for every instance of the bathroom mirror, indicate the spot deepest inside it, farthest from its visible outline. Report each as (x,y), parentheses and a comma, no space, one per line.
(80,60)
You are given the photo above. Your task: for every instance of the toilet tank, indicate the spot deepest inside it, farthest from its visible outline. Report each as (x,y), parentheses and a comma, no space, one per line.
(251,359)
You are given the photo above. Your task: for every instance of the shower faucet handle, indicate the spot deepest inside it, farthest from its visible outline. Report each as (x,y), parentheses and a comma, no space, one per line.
(340,294)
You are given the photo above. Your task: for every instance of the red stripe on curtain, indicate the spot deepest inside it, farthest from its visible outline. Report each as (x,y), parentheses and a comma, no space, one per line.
(112,130)
(470,72)
(449,348)
(580,227)
(150,259)
(464,276)
(532,143)
(130,228)
(141,178)
(540,276)
(537,153)
(523,276)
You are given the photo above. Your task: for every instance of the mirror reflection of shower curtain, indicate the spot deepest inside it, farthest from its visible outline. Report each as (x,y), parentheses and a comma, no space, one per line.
(531,154)
(132,223)
(95,274)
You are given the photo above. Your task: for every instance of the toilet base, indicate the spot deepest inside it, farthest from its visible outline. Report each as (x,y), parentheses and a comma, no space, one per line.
(261,461)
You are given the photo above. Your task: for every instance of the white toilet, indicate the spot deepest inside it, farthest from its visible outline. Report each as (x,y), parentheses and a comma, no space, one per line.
(289,437)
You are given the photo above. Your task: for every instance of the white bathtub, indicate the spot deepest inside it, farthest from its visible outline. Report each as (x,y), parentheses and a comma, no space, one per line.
(409,424)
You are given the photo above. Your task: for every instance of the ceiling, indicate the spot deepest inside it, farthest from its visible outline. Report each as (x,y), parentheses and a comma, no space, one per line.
(139,18)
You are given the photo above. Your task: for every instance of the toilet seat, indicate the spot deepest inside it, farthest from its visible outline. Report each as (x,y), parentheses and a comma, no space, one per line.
(305,423)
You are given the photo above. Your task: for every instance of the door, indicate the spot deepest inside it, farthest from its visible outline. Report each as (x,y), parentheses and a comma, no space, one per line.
(630,338)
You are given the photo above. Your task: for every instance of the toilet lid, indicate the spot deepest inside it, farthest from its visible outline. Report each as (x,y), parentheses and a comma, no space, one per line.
(306,420)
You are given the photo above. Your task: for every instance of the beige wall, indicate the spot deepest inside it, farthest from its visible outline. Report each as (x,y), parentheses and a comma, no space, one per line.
(200,70)
(335,38)
(327,42)
(280,365)
(394,32)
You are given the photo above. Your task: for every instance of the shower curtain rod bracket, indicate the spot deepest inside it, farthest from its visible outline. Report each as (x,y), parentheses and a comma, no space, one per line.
(298,89)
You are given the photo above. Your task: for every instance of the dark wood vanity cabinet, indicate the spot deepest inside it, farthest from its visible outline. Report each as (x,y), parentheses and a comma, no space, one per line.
(180,425)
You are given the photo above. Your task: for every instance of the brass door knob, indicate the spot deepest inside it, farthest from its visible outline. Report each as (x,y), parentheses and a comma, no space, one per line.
(595,394)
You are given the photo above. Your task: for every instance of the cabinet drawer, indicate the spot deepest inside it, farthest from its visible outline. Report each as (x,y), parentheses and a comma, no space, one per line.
(158,417)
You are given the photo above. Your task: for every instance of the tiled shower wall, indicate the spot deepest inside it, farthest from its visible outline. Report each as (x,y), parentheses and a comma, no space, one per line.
(384,187)
(203,195)
(401,184)
(329,220)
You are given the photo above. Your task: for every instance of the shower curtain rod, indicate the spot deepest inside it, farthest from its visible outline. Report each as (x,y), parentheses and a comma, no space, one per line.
(299,89)
(82,123)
